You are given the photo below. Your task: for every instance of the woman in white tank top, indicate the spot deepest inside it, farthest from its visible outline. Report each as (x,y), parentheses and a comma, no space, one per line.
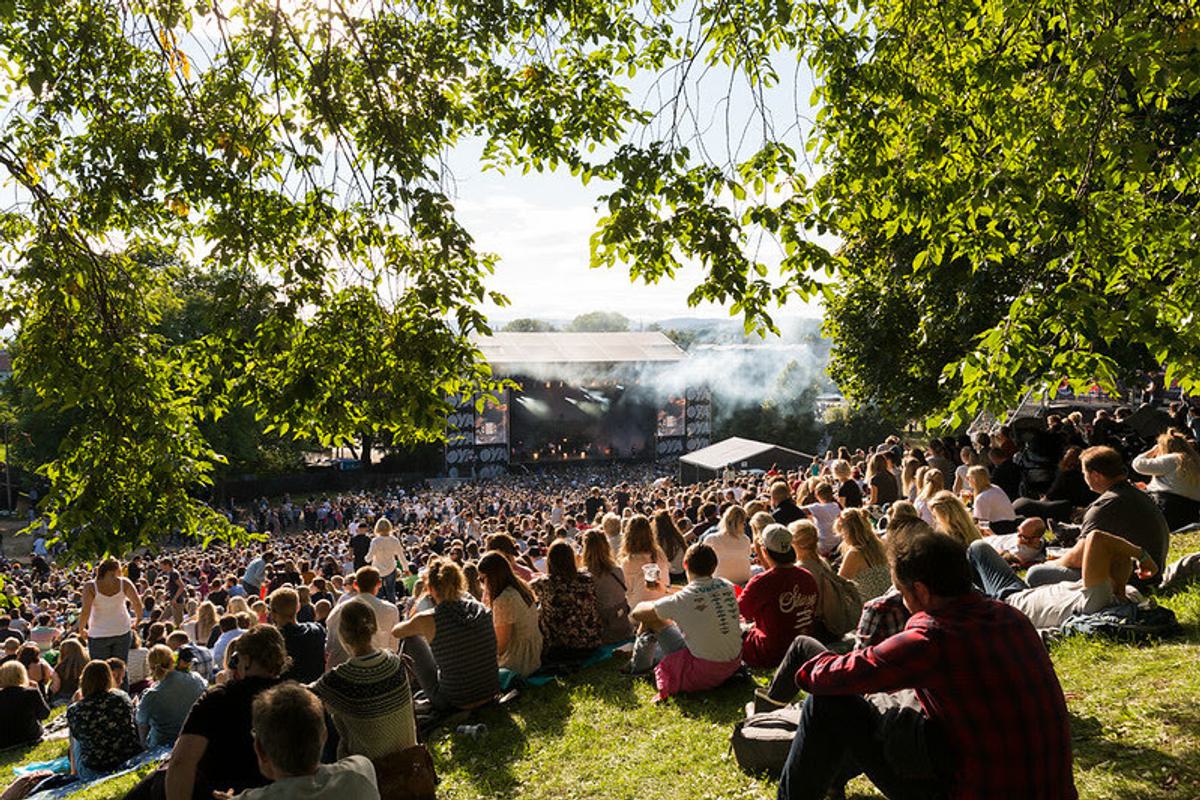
(105,621)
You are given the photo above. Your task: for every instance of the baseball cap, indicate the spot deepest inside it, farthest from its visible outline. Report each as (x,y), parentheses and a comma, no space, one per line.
(776,538)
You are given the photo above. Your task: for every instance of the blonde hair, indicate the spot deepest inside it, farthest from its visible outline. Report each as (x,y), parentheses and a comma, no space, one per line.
(1172,442)
(857,534)
(950,517)
(446,579)
(759,522)
(237,605)
(611,524)
(160,660)
(13,673)
(383,527)
(733,522)
(979,478)
(804,535)
(908,475)
(840,469)
(934,482)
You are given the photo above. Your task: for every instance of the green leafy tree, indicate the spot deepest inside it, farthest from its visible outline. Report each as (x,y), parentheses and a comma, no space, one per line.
(527,325)
(305,141)
(599,322)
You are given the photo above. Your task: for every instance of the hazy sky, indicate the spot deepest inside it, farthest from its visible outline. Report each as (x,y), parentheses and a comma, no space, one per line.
(540,224)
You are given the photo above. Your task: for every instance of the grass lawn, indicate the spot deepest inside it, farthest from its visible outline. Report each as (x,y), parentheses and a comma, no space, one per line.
(1136,726)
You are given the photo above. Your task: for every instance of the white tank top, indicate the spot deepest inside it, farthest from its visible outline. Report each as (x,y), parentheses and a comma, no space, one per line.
(109,615)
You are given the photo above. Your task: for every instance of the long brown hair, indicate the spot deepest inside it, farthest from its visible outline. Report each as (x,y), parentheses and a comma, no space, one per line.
(667,535)
(639,539)
(497,575)
(597,553)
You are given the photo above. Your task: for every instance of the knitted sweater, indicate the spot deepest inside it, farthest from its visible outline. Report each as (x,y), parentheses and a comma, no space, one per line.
(369,700)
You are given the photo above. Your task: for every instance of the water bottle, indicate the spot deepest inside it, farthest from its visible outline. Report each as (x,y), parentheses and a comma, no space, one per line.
(474,731)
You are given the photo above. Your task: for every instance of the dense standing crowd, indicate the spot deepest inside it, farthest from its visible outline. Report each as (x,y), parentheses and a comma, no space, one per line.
(314,659)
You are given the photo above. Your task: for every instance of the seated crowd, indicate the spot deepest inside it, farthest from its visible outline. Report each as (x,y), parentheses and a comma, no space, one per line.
(305,663)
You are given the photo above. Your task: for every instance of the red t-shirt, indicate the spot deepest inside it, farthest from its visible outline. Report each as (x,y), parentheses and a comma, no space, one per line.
(782,604)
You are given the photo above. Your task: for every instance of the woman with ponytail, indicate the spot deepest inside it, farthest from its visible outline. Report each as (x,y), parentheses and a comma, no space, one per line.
(368,697)
(453,645)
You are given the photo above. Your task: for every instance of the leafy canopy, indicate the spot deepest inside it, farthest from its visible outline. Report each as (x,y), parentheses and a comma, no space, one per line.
(1042,154)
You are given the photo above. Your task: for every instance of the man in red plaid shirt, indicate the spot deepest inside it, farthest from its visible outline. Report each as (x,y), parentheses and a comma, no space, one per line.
(995,721)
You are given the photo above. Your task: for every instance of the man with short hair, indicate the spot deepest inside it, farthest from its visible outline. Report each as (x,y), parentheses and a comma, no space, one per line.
(305,641)
(289,735)
(963,654)
(693,638)
(387,616)
(228,625)
(783,507)
(824,514)
(1123,510)
(780,603)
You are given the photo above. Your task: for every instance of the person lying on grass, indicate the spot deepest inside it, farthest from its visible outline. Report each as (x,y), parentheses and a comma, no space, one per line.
(1107,565)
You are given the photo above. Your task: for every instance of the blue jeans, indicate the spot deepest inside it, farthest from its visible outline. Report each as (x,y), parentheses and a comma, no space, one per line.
(999,580)
(841,736)
(651,648)
(389,587)
(1046,574)
(105,647)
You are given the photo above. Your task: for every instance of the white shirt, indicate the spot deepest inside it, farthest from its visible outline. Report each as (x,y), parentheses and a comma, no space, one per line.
(387,616)
(1166,476)
(993,505)
(733,556)
(1051,605)
(352,778)
(706,612)
(384,552)
(825,515)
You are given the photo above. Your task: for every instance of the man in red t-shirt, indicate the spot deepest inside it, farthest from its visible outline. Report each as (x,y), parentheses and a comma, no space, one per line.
(781,602)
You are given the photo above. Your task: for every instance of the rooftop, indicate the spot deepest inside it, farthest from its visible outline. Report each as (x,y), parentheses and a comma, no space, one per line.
(578,348)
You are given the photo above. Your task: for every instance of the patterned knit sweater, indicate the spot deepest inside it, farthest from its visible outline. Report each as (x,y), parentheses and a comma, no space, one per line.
(370,702)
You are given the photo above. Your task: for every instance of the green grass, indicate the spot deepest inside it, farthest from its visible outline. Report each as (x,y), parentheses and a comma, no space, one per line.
(1135,723)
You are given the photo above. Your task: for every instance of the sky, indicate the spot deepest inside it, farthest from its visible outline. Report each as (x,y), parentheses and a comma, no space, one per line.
(540,225)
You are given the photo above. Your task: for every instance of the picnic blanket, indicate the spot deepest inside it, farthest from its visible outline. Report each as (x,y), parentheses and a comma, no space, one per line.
(549,672)
(152,756)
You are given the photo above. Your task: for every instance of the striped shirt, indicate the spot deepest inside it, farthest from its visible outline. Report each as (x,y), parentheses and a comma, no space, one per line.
(464,647)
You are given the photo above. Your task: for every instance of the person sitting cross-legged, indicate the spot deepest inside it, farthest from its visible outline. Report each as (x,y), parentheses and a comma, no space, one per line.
(1107,566)
(693,639)
(962,653)
(289,734)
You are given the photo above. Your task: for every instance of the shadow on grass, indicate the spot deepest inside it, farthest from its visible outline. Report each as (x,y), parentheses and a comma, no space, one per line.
(724,705)
(487,760)
(1096,749)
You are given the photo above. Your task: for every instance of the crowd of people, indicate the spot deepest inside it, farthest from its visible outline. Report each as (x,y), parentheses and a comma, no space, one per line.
(310,659)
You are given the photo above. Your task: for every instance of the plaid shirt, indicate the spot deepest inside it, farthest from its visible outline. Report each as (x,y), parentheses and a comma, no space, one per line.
(983,675)
(882,617)
(202,661)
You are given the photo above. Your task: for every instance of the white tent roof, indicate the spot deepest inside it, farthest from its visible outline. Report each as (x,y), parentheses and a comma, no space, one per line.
(731,451)
(578,348)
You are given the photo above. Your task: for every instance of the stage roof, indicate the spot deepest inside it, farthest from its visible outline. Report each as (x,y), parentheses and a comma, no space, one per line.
(578,348)
(735,450)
